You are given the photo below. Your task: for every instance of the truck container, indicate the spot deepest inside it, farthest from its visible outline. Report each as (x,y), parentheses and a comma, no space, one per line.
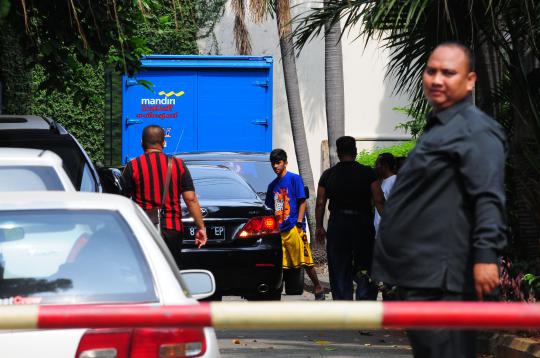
(204,103)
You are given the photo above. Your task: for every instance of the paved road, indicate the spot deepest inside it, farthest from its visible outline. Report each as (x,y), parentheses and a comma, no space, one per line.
(293,344)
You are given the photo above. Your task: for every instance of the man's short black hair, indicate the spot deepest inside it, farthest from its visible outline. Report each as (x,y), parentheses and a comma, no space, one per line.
(466,50)
(346,145)
(153,135)
(388,160)
(278,155)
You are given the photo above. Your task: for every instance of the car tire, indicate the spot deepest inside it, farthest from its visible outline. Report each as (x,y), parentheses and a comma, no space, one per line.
(294,281)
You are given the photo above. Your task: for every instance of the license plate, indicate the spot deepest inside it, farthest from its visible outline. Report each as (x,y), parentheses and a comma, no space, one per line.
(213,232)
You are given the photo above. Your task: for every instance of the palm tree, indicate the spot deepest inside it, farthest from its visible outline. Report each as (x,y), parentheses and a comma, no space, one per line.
(260,9)
(505,37)
(334,87)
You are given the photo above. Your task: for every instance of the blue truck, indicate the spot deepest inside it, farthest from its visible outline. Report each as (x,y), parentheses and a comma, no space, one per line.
(204,103)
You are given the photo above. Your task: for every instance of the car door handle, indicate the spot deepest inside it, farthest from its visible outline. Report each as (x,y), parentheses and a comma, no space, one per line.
(260,122)
(130,122)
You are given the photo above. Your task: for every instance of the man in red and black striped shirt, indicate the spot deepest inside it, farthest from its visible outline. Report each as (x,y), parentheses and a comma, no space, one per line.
(144,179)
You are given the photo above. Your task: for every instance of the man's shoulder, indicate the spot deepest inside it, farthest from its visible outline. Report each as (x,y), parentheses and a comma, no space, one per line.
(363,169)
(478,122)
(273,183)
(293,176)
(178,161)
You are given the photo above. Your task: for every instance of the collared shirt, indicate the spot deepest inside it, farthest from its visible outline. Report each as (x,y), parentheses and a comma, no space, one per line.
(144,178)
(447,208)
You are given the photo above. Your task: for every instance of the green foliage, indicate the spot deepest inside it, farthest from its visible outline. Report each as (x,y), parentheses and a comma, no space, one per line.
(172,31)
(417,121)
(79,107)
(400,150)
(14,72)
(207,14)
(70,87)
(516,285)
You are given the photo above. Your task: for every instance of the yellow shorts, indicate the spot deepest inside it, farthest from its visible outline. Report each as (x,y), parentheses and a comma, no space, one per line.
(296,250)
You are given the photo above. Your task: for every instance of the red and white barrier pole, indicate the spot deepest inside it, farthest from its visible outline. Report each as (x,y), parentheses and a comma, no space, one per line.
(278,315)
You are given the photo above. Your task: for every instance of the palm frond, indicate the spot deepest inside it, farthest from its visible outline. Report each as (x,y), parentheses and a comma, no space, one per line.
(260,9)
(241,34)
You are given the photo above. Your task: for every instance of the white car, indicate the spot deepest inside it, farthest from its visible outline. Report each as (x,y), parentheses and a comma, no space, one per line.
(83,248)
(23,169)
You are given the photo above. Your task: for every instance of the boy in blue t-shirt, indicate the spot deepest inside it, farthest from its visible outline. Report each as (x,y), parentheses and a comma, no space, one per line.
(286,196)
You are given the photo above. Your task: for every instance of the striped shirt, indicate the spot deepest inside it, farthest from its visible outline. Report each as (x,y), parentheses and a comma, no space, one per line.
(144,178)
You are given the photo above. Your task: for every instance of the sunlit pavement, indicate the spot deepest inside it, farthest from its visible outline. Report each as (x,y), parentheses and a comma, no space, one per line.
(317,343)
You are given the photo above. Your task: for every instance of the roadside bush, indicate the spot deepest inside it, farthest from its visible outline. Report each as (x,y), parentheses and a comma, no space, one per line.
(79,107)
(400,150)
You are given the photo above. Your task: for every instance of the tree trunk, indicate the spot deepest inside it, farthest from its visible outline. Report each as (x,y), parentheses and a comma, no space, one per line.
(333,79)
(295,106)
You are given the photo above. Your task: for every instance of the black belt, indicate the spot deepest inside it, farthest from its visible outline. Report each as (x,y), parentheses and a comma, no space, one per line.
(347,212)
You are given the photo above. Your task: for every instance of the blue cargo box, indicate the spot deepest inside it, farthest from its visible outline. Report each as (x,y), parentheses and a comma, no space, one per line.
(204,103)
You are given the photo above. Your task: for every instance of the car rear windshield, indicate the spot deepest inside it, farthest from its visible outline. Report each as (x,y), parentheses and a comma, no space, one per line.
(64,146)
(29,178)
(70,257)
(219,184)
(257,174)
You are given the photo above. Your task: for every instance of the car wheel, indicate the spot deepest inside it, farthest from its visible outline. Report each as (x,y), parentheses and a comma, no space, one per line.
(294,281)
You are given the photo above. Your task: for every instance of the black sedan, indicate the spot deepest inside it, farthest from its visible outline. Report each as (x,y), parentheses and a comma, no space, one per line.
(244,246)
(254,167)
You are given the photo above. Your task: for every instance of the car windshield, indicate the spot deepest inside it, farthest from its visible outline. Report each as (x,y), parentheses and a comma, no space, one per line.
(29,178)
(257,174)
(70,257)
(219,184)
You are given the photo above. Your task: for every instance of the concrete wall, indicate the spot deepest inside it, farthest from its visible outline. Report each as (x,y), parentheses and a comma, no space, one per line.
(368,96)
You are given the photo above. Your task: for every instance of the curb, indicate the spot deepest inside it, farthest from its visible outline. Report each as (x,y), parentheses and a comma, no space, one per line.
(510,346)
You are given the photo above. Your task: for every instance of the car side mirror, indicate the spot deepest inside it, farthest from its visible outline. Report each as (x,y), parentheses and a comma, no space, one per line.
(306,191)
(199,283)
(111,179)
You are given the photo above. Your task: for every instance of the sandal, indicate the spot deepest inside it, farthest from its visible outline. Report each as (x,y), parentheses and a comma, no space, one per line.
(320,296)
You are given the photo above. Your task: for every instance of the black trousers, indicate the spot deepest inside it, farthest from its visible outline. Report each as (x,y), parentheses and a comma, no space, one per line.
(439,343)
(173,239)
(349,248)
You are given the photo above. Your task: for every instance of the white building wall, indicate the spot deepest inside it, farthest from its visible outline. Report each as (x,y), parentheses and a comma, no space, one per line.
(368,96)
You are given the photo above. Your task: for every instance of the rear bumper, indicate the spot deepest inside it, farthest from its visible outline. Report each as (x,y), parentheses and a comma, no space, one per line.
(238,271)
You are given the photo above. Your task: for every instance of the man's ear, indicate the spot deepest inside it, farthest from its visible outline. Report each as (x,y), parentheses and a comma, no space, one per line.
(471,81)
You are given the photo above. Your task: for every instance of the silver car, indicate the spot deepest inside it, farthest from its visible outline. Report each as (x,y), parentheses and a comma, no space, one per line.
(81,248)
(23,169)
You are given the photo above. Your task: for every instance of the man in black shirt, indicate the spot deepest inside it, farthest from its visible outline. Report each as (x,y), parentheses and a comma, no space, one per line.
(350,187)
(444,224)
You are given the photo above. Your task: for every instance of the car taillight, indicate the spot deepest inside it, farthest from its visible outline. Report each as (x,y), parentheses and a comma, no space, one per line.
(168,343)
(104,343)
(259,226)
(142,343)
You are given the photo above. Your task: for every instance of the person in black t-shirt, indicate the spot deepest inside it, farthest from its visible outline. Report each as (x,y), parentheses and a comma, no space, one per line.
(350,187)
